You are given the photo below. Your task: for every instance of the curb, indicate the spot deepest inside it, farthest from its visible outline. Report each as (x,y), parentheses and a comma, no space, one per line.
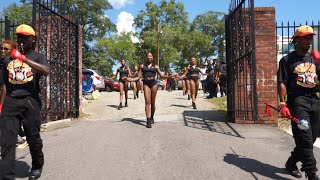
(54,125)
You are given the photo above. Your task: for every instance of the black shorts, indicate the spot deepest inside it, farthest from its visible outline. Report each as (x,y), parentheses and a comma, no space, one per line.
(194,78)
(150,83)
(122,81)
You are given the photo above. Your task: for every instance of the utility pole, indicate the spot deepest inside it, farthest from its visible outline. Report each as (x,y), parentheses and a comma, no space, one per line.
(158,43)
(159,32)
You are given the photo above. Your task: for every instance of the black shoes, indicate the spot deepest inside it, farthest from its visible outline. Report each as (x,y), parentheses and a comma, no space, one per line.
(35,174)
(134,97)
(120,106)
(293,169)
(137,94)
(312,176)
(188,97)
(152,120)
(126,104)
(194,105)
(149,123)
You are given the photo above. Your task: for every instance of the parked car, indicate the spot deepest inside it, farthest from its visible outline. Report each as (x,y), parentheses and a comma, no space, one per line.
(111,85)
(161,84)
(98,81)
(179,85)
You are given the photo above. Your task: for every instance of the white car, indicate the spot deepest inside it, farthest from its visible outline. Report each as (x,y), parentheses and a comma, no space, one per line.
(98,81)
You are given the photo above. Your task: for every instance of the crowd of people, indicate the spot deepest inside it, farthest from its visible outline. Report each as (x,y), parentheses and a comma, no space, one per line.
(144,78)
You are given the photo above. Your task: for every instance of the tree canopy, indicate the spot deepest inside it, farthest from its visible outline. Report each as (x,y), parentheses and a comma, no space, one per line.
(164,25)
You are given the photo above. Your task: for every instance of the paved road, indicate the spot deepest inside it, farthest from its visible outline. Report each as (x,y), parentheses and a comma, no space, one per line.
(183,144)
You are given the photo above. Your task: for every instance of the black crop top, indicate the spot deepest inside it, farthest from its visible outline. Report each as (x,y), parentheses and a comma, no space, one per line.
(193,71)
(123,72)
(149,72)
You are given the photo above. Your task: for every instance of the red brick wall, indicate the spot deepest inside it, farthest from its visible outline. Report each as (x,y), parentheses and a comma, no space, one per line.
(266,63)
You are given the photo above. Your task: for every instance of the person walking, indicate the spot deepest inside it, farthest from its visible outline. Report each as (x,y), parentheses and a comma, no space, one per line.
(148,72)
(194,71)
(221,77)
(6,47)
(297,76)
(203,78)
(124,72)
(186,79)
(211,85)
(21,74)
(135,85)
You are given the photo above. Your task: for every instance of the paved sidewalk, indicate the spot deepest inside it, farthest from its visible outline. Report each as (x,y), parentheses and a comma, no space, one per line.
(183,144)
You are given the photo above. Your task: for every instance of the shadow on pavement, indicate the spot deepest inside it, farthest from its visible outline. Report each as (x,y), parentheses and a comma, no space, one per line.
(178,105)
(22,169)
(135,121)
(186,98)
(114,106)
(211,121)
(253,166)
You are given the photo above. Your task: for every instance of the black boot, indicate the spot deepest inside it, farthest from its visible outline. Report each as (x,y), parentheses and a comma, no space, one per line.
(138,94)
(35,174)
(149,123)
(126,104)
(194,105)
(120,106)
(292,169)
(188,97)
(312,176)
(134,97)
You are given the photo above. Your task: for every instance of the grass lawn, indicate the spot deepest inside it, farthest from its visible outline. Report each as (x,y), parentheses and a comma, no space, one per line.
(221,105)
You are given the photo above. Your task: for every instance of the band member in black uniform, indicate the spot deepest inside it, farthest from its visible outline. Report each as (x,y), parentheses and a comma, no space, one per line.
(193,70)
(221,77)
(123,85)
(148,72)
(135,84)
(298,74)
(21,75)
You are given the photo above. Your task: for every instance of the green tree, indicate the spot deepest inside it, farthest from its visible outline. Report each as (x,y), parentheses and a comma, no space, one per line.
(163,22)
(118,47)
(18,14)
(90,14)
(212,24)
(170,13)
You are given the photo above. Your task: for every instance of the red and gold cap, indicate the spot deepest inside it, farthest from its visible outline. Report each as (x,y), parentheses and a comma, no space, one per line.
(25,30)
(303,31)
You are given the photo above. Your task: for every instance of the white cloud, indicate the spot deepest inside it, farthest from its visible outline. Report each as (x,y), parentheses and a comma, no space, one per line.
(117,4)
(124,24)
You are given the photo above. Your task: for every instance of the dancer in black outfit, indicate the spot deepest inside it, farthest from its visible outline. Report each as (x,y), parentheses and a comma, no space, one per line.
(186,80)
(135,84)
(123,85)
(148,72)
(193,70)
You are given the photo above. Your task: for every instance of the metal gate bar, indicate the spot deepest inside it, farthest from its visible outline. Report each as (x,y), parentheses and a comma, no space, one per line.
(241,67)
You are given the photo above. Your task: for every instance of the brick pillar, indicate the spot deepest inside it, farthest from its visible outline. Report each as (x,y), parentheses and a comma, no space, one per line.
(266,63)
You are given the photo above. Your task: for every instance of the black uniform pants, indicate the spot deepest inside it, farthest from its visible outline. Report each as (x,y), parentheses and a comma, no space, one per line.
(211,87)
(305,107)
(15,110)
(223,85)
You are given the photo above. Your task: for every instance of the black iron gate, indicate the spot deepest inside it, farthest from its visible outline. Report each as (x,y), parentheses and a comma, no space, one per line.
(241,68)
(58,39)
(7,29)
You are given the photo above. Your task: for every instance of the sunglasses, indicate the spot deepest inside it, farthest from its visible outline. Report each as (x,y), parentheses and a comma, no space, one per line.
(6,49)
